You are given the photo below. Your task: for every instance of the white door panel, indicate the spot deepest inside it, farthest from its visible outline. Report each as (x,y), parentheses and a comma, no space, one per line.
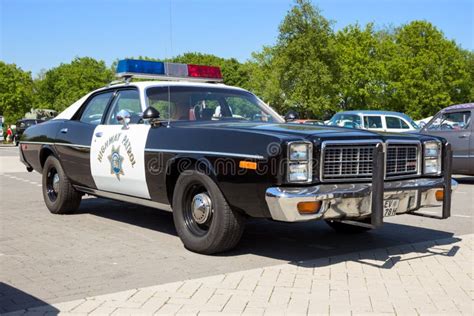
(118,159)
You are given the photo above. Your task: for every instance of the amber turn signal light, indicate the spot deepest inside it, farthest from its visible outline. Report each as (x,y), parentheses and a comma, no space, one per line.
(309,207)
(439,195)
(248,165)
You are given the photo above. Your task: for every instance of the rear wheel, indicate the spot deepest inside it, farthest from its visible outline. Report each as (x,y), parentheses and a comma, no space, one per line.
(348,228)
(59,195)
(204,221)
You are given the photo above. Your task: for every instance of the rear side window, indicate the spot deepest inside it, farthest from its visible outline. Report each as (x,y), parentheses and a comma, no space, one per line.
(373,122)
(95,108)
(395,122)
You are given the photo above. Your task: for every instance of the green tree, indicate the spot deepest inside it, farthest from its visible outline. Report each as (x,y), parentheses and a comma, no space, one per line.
(303,63)
(427,71)
(59,87)
(363,54)
(16,92)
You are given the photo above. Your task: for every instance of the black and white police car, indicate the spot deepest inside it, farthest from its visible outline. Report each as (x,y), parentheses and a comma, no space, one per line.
(215,155)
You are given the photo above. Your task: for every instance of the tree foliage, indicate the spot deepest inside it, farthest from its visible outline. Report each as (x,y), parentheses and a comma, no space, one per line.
(311,69)
(63,85)
(16,92)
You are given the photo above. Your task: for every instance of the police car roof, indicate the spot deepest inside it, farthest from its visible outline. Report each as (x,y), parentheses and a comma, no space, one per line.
(69,112)
(155,83)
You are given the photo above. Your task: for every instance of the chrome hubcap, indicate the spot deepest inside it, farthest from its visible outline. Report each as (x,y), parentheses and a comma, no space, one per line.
(56,183)
(201,208)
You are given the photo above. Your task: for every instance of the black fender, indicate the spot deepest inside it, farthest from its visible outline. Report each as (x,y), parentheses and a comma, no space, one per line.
(181,162)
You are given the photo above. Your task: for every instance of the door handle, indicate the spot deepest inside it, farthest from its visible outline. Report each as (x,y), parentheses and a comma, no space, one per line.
(63,130)
(463,136)
(98,134)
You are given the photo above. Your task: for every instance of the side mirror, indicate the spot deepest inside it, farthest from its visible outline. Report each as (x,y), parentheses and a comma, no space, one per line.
(123,117)
(291,116)
(150,113)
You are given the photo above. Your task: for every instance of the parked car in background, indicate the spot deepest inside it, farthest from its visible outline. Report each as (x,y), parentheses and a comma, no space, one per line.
(382,121)
(21,126)
(309,122)
(454,123)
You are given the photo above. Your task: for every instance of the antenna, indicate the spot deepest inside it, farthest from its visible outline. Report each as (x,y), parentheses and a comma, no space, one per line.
(171,54)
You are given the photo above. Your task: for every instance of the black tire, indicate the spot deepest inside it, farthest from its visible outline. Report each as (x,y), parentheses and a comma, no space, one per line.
(348,228)
(222,228)
(61,198)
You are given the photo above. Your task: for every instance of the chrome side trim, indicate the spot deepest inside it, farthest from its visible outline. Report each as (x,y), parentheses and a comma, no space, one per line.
(213,153)
(124,198)
(58,144)
(37,143)
(72,145)
(462,156)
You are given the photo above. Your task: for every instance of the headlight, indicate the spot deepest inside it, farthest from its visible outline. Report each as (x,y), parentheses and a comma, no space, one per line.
(299,151)
(432,155)
(300,155)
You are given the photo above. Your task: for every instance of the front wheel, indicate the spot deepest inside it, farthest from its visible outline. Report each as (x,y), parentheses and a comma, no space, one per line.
(59,195)
(204,221)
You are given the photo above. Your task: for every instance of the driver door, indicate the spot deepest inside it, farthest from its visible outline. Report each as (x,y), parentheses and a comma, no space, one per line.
(118,153)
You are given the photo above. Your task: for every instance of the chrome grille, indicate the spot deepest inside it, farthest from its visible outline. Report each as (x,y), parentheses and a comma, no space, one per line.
(346,161)
(401,160)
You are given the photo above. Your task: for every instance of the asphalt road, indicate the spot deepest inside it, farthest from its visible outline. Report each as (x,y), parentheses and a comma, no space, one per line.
(111,246)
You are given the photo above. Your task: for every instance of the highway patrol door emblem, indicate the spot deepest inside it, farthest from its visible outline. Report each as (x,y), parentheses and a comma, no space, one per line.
(116,161)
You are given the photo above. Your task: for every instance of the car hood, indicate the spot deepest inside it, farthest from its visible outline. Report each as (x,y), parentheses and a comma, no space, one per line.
(289,130)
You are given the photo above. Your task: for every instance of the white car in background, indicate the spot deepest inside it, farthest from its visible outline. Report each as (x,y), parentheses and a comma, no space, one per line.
(382,121)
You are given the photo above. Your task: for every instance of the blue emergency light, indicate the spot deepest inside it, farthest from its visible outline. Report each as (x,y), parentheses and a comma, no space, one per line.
(147,69)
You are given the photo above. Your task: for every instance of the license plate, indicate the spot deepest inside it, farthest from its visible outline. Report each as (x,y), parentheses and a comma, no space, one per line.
(390,207)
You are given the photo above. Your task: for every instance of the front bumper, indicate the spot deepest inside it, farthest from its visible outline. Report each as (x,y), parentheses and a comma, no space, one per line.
(352,201)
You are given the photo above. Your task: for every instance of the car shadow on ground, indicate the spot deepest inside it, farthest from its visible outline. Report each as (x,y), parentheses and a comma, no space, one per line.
(291,242)
(464,179)
(13,299)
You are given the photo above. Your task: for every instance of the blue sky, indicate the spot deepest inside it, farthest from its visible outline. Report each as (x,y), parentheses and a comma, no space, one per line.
(38,35)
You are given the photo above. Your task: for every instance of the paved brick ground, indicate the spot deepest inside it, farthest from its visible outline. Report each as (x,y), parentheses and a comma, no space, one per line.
(425,278)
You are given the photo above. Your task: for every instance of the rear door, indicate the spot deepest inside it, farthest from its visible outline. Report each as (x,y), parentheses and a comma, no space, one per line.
(117,153)
(456,128)
(73,141)
(374,123)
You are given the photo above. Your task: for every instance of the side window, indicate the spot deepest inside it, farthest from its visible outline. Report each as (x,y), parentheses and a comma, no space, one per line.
(395,122)
(128,100)
(404,124)
(453,121)
(373,122)
(95,108)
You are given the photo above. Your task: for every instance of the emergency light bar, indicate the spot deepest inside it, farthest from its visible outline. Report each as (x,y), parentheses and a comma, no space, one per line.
(145,69)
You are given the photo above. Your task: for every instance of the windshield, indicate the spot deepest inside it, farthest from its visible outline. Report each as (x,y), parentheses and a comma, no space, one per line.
(346,120)
(204,104)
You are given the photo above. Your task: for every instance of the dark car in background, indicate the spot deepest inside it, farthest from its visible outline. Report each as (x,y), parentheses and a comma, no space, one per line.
(454,123)
(21,126)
